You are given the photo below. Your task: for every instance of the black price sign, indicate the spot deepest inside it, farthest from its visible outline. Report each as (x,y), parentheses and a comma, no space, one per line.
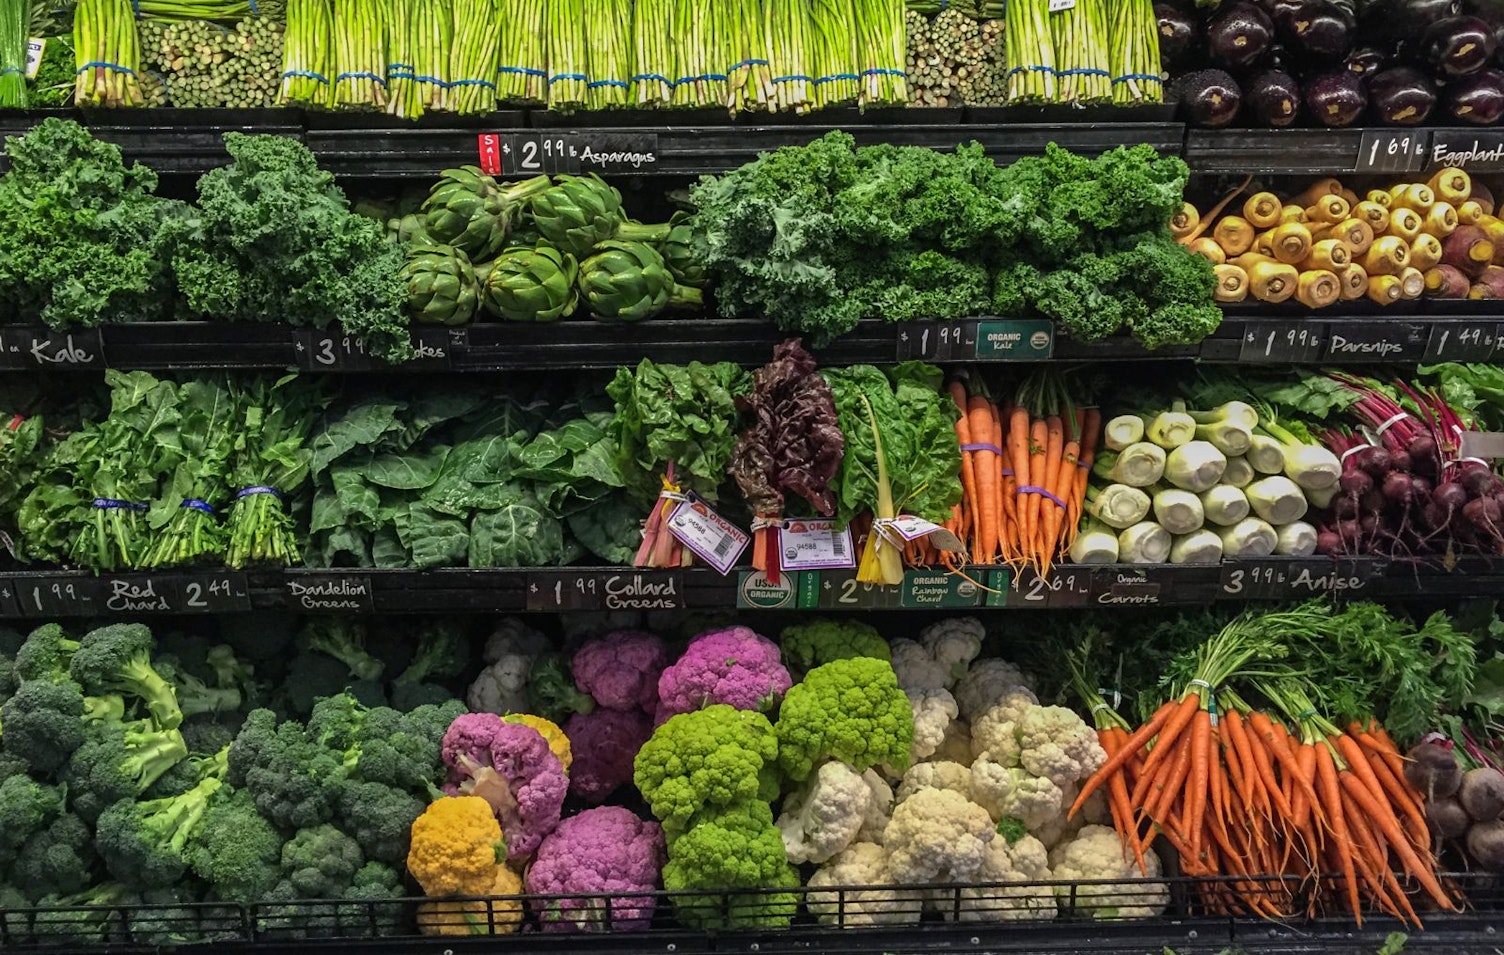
(435,346)
(1465,342)
(59,596)
(11,358)
(10,604)
(330,593)
(1065,587)
(1128,588)
(1299,578)
(138,593)
(602,151)
(553,591)
(223,592)
(1480,151)
(938,341)
(1377,341)
(82,348)
(840,590)
(1283,342)
(536,154)
(1257,579)
(330,350)
(606,151)
(1391,150)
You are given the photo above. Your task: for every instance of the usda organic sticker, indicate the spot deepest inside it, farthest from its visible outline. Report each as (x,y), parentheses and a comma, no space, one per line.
(755,592)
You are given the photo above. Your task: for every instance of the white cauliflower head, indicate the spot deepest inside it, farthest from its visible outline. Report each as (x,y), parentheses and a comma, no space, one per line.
(825,815)
(879,808)
(1056,743)
(1007,792)
(1025,862)
(953,643)
(513,637)
(985,683)
(956,747)
(1097,853)
(863,864)
(937,835)
(915,668)
(996,730)
(936,774)
(933,712)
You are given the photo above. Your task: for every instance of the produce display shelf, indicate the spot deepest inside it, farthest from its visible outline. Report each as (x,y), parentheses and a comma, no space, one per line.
(47,594)
(1420,332)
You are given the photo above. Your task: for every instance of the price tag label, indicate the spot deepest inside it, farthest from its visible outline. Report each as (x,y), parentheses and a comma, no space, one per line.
(223,592)
(1299,578)
(939,589)
(59,596)
(330,350)
(1256,579)
(550,591)
(1470,342)
(81,348)
(1283,342)
(715,540)
(36,48)
(434,346)
(1391,150)
(325,592)
(814,545)
(1065,587)
(1060,6)
(1015,340)
(1377,341)
(10,604)
(1488,445)
(1475,151)
(139,593)
(938,341)
(840,590)
(539,153)
(754,591)
(1128,588)
(606,151)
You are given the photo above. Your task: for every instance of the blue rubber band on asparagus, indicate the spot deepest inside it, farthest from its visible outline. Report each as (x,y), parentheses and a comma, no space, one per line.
(136,6)
(431,79)
(259,489)
(255,10)
(792,78)
(473,83)
(521,71)
(305,74)
(653,76)
(560,77)
(883,71)
(599,83)
(1082,72)
(1144,77)
(746,65)
(362,75)
(848,77)
(101,64)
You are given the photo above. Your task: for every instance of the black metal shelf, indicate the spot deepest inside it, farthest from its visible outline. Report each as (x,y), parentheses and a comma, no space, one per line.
(54,593)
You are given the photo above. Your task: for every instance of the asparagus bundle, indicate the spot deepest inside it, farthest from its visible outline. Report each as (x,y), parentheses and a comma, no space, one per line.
(522,76)
(568,83)
(1031,52)
(698,58)
(225,10)
(833,52)
(306,53)
(749,81)
(1133,53)
(880,52)
(473,58)
(610,53)
(205,66)
(359,54)
(430,38)
(1080,36)
(652,55)
(787,27)
(107,54)
(15,23)
(955,60)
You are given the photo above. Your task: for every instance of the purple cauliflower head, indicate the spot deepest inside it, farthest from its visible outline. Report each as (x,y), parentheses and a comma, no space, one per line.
(604,744)
(601,851)
(511,767)
(734,666)
(621,669)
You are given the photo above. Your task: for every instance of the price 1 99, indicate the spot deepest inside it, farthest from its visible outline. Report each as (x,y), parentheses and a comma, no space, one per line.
(1300,342)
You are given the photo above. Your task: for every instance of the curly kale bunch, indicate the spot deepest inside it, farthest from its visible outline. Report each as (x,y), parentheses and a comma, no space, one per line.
(273,239)
(83,237)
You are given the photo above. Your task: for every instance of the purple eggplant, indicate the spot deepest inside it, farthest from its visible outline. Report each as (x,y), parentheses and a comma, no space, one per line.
(1336,98)
(1476,98)
(1367,59)
(1274,97)
(1454,46)
(1319,29)
(1401,96)
(1405,19)
(1210,97)
(1179,31)
(1239,34)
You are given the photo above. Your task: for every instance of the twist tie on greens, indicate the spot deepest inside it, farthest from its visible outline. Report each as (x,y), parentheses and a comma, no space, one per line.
(768,523)
(1115,692)
(360,75)
(1305,715)
(984,446)
(473,83)
(1354,450)
(561,77)
(521,70)
(305,74)
(102,64)
(1392,422)
(111,504)
(1198,684)
(653,76)
(197,505)
(668,495)
(1144,77)
(795,77)
(599,83)
(1099,706)
(884,528)
(1031,489)
(6,71)
(259,489)
(883,71)
(1082,71)
(848,77)
(746,65)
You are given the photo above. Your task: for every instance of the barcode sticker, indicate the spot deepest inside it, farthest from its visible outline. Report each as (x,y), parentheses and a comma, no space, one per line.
(1060,6)
(714,539)
(814,545)
(912,528)
(35,48)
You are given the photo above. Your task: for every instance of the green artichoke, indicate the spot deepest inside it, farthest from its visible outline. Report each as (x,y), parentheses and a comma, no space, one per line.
(408,230)
(578,213)
(682,254)
(473,212)
(532,285)
(630,281)
(441,285)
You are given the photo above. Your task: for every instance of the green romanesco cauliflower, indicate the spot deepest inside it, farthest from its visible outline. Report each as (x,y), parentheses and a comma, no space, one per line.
(730,851)
(1097,854)
(707,760)
(851,710)
(825,640)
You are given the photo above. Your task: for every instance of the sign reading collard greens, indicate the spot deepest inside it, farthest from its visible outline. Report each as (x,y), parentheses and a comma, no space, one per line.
(459,478)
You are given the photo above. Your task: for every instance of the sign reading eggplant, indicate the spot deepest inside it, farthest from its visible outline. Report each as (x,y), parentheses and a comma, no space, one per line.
(1464,149)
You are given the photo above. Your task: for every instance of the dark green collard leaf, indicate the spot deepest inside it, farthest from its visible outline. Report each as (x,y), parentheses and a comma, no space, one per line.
(575,462)
(407,472)
(433,539)
(610,529)
(346,546)
(518,535)
(387,551)
(361,427)
(357,498)
(502,415)
(433,410)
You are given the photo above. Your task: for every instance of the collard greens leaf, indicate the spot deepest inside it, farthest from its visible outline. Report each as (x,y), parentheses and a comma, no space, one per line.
(362,426)
(518,535)
(407,472)
(434,539)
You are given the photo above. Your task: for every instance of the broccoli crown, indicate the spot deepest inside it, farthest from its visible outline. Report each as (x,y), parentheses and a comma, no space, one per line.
(43,723)
(45,654)
(294,781)
(851,710)
(443,652)
(120,761)
(345,641)
(381,818)
(144,843)
(236,851)
(206,735)
(57,860)
(403,749)
(117,659)
(321,862)
(26,807)
(367,917)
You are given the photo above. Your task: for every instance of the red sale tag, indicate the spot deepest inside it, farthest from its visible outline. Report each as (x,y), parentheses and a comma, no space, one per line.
(490,154)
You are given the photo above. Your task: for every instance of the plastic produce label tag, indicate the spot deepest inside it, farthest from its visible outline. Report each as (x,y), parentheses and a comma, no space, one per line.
(715,540)
(814,545)
(1060,6)
(912,528)
(35,48)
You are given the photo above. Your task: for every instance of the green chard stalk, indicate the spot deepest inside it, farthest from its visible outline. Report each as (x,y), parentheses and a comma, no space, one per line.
(15,24)
(610,53)
(473,60)
(306,59)
(360,54)
(568,63)
(1133,54)
(653,63)
(522,71)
